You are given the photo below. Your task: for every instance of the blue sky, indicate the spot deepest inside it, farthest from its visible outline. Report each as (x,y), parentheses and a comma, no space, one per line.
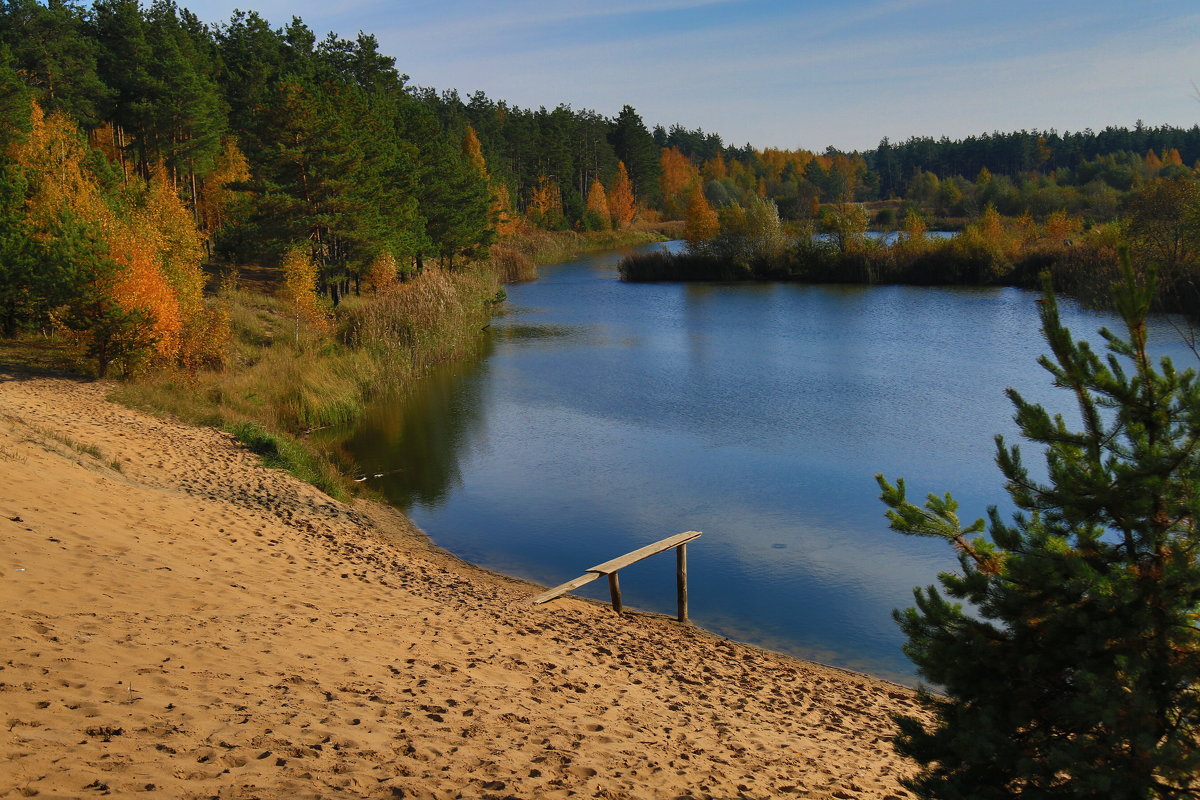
(795,74)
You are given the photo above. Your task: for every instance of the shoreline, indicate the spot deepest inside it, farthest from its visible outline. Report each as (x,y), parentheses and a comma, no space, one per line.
(188,620)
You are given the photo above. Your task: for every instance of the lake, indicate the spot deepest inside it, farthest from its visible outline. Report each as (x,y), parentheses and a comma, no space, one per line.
(601,416)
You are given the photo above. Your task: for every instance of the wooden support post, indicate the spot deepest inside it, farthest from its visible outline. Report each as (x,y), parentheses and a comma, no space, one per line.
(681,580)
(614,588)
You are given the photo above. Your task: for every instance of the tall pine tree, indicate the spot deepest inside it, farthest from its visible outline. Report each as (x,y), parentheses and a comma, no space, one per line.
(635,147)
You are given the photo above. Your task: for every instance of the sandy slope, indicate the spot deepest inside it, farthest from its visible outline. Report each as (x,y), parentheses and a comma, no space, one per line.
(194,625)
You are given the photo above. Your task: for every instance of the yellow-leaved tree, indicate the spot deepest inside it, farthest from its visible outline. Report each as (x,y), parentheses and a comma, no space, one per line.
(381,273)
(701,221)
(473,150)
(915,231)
(300,289)
(170,226)
(598,215)
(621,203)
(119,305)
(149,300)
(545,204)
(507,223)
(504,221)
(678,177)
(53,157)
(1060,228)
(219,200)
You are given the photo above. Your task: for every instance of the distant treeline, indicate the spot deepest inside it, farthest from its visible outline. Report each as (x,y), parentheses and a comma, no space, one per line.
(1111,155)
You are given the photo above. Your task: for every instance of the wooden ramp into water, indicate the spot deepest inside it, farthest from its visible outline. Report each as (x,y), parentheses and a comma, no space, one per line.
(610,568)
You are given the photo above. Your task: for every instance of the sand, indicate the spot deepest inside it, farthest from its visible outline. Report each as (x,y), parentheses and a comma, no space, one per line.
(180,621)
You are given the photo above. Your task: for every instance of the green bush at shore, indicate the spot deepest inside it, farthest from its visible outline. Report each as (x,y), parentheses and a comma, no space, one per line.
(990,251)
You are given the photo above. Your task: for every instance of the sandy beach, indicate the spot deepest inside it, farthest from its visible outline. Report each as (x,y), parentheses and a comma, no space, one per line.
(180,621)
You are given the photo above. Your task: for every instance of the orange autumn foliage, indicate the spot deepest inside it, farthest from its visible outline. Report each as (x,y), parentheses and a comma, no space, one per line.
(597,203)
(473,150)
(141,284)
(701,221)
(380,275)
(715,169)
(776,162)
(52,156)
(1061,227)
(147,231)
(678,176)
(167,223)
(503,219)
(621,203)
(545,203)
(506,221)
(216,200)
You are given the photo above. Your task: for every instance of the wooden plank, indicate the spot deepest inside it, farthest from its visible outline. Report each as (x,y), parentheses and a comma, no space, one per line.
(609,567)
(614,589)
(562,589)
(681,580)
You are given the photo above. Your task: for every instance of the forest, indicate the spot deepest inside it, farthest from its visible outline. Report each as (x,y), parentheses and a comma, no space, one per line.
(150,161)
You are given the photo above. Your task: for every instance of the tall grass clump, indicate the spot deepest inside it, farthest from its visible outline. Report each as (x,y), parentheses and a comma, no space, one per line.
(433,318)
(512,265)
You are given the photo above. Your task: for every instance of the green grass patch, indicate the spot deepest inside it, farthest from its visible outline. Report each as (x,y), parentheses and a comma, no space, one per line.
(284,452)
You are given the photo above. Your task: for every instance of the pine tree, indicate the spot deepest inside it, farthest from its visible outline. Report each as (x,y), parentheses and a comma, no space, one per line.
(455,202)
(635,146)
(1078,673)
(23,292)
(187,114)
(14,102)
(126,65)
(51,49)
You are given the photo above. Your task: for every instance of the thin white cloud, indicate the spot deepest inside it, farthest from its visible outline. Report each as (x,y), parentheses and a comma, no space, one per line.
(470,21)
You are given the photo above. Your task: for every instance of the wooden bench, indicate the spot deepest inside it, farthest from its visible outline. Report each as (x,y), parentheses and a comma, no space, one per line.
(610,568)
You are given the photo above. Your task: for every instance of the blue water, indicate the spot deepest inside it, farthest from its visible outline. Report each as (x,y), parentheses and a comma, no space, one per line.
(601,416)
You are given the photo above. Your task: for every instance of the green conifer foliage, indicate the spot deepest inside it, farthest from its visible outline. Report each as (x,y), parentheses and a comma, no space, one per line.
(455,201)
(14,102)
(1077,674)
(634,145)
(55,55)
